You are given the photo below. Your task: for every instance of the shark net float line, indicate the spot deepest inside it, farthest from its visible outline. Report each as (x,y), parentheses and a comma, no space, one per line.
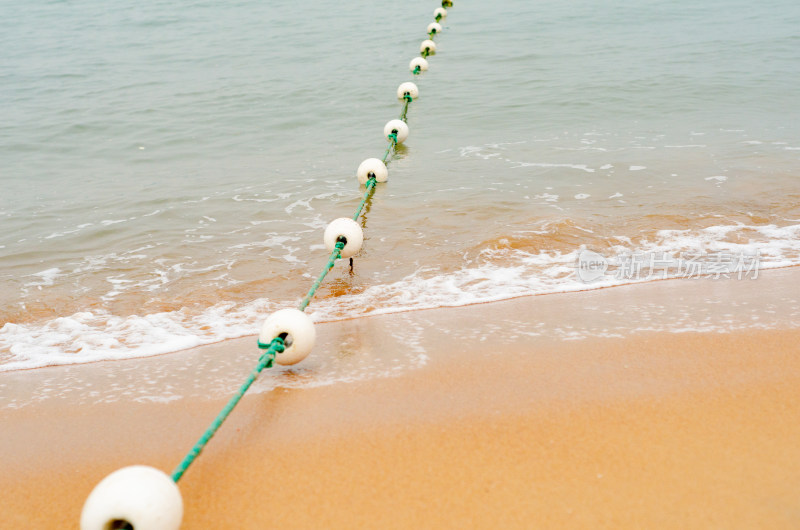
(145,498)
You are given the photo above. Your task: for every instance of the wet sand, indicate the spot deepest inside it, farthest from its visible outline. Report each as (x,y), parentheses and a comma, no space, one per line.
(652,429)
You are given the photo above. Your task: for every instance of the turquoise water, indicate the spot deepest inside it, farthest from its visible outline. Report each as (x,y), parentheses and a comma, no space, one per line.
(167,170)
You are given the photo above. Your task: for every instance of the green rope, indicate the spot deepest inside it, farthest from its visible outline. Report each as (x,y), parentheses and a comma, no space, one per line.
(416,70)
(426,53)
(432,33)
(438,18)
(393,142)
(370,188)
(265,361)
(404,114)
(336,254)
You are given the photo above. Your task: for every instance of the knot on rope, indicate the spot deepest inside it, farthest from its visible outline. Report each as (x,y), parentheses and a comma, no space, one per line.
(416,70)
(392,137)
(408,97)
(336,254)
(277,344)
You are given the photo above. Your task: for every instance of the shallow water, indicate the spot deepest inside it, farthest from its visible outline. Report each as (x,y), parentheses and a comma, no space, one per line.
(167,171)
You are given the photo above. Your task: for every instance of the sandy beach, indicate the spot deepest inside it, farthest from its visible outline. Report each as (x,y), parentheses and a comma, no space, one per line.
(496,428)
(573,232)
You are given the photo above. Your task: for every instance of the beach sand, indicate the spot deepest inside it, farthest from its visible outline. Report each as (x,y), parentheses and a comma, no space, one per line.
(492,428)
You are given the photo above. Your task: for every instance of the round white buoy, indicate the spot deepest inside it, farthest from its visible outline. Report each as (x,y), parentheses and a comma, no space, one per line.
(440,12)
(427,45)
(434,27)
(142,496)
(418,61)
(349,230)
(298,330)
(398,127)
(372,166)
(407,88)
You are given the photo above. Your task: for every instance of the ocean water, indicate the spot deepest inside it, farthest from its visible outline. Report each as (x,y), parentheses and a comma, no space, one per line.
(167,170)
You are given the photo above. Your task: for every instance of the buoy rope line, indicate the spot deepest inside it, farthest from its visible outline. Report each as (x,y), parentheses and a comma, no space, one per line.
(265,361)
(145,498)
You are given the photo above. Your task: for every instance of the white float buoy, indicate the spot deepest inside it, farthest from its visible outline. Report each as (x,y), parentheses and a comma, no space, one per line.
(434,27)
(397,127)
(372,166)
(440,13)
(407,89)
(298,331)
(418,61)
(427,46)
(349,230)
(144,497)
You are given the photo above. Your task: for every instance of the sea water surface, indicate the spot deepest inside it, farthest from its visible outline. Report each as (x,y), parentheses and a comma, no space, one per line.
(167,169)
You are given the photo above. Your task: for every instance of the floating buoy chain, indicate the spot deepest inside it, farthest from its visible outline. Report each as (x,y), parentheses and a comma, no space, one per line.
(145,498)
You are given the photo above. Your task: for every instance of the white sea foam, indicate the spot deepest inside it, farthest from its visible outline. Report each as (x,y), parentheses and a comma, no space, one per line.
(582,167)
(45,277)
(548,197)
(68,232)
(497,274)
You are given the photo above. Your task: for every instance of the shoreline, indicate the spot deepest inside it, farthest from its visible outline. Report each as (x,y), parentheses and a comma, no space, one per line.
(410,310)
(326,319)
(654,428)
